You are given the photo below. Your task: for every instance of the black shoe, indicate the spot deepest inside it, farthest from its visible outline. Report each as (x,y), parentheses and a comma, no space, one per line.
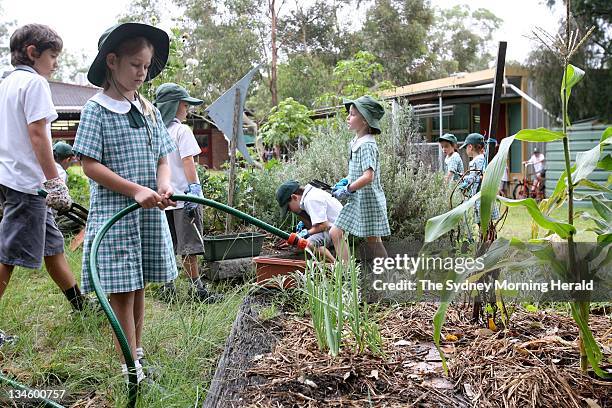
(6,339)
(150,371)
(167,293)
(202,294)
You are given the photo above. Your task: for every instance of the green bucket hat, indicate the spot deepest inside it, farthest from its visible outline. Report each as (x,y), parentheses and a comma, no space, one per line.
(167,97)
(370,109)
(473,138)
(61,150)
(448,137)
(112,37)
(283,194)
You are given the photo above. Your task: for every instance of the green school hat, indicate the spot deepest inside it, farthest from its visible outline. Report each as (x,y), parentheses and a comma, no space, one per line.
(473,138)
(448,137)
(370,109)
(167,97)
(62,150)
(283,194)
(112,37)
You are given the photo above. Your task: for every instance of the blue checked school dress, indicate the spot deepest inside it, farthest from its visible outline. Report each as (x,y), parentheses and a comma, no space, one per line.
(138,248)
(365,213)
(454,164)
(473,180)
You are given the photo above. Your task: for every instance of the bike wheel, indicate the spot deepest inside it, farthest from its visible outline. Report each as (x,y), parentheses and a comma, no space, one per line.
(520,192)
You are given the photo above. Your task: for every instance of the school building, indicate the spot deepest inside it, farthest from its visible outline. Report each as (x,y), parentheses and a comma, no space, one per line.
(461,104)
(70,98)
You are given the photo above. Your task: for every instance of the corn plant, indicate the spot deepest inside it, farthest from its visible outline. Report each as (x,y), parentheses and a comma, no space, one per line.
(543,251)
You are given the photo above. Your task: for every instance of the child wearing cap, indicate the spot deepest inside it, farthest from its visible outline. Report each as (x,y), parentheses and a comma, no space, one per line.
(123,144)
(184,219)
(474,146)
(63,155)
(453,165)
(318,211)
(365,213)
(28,231)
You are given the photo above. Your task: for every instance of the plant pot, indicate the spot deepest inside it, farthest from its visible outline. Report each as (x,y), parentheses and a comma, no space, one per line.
(269,267)
(230,246)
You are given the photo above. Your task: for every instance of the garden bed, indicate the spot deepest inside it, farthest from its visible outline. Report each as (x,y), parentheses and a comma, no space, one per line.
(535,363)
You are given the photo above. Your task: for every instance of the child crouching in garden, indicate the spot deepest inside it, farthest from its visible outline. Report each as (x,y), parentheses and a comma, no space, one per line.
(365,211)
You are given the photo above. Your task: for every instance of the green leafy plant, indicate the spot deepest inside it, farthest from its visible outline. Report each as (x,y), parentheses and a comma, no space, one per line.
(287,123)
(558,231)
(334,301)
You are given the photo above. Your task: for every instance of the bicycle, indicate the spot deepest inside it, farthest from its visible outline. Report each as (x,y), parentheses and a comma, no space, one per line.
(526,188)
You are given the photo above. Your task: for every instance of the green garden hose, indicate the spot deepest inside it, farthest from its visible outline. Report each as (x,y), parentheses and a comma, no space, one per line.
(292,239)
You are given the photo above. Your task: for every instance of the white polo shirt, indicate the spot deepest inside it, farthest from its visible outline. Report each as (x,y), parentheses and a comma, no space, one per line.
(320,205)
(186,145)
(25,97)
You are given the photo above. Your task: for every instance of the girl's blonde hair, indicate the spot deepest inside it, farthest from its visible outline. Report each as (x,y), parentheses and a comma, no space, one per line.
(131,46)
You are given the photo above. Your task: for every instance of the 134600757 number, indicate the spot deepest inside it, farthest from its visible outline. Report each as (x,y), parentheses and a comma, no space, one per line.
(17,394)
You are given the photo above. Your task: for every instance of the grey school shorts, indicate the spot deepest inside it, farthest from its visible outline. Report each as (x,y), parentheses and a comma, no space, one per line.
(28,230)
(321,239)
(185,240)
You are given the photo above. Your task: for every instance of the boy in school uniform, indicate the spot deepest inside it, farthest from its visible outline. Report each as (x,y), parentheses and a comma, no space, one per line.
(318,211)
(64,156)
(28,229)
(184,219)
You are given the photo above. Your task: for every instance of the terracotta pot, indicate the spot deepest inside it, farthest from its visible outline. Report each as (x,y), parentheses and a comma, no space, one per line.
(269,267)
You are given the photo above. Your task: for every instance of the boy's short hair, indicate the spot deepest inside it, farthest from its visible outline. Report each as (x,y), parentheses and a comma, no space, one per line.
(41,36)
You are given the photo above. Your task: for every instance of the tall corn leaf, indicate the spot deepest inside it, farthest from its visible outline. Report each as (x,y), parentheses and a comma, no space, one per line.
(571,77)
(590,345)
(538,135)
(441,224)
(562,229)
(491,181)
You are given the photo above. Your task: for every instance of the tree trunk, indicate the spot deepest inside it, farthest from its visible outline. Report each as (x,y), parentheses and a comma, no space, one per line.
(273,87)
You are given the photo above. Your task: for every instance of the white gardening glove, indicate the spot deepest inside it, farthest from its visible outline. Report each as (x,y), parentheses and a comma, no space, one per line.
(58,196)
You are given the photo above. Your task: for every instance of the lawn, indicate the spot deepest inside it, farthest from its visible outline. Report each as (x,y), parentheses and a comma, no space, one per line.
(518,224)
(60,349)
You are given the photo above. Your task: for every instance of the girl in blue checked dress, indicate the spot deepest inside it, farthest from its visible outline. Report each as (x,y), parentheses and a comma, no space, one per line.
(365,213)
(123,143)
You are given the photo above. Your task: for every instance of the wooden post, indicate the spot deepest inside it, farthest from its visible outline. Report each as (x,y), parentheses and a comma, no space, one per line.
(232,153)
(495,99)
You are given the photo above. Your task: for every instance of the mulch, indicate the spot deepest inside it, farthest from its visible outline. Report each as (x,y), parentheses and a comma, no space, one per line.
(535,363)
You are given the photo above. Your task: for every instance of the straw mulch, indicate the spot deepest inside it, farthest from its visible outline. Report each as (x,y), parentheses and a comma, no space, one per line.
(533,364)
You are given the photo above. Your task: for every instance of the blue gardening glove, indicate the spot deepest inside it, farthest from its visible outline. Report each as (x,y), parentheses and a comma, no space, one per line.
(194,189)
(342,193)
(342,183)
(303,233)
(299,226)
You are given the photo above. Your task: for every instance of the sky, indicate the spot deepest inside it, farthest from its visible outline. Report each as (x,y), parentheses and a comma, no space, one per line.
(80,23)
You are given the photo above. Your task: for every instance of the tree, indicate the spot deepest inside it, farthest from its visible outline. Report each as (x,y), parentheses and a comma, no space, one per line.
(460,39)
(225,43)
(143,11)
(5,27)
(287,123)
(396,31)
(70,64)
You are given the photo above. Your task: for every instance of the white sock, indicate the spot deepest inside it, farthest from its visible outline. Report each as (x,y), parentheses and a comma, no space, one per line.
(139,353)
(140,375)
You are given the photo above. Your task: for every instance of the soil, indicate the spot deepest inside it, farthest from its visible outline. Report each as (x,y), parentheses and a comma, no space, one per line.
(533,363)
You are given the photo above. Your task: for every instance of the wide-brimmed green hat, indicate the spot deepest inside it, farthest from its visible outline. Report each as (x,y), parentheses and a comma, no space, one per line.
(283,194)
(62,150)
(473,138)
(112,37)
(371,110)
(167,98)
(448,137)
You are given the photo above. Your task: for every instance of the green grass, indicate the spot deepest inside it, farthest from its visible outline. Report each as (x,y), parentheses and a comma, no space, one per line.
(61,349)
(518,224)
